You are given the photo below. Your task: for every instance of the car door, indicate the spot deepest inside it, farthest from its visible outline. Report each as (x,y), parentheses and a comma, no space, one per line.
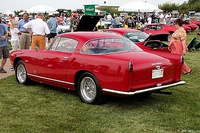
(54,61)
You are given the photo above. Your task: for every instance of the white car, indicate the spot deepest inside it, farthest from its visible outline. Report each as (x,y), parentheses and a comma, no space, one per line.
(64,27)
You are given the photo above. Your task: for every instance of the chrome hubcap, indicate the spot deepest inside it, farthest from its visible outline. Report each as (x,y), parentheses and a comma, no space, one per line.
(88,89)
(21,73)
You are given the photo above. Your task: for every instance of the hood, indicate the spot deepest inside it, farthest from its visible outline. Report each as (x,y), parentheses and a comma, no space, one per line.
(88,23)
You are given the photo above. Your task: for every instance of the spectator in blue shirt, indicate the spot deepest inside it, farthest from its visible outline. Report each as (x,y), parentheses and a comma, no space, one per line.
(4,51)
(53,24)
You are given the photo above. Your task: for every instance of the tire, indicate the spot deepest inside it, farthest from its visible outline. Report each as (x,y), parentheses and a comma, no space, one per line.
(88,89)
(21,73)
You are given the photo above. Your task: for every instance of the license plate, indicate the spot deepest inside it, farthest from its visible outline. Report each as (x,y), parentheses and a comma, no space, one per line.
(157,73)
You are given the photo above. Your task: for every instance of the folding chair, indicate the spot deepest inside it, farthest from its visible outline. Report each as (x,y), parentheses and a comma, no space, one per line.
(192,44)
(197,46)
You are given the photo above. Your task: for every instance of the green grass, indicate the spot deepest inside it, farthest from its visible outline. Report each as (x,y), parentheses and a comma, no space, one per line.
(41,108)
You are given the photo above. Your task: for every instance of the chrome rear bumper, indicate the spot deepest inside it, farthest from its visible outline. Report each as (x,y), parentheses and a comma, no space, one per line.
(143,90)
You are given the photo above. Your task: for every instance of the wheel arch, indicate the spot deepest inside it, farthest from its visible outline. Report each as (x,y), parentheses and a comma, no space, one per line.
(15,61)
(77,76)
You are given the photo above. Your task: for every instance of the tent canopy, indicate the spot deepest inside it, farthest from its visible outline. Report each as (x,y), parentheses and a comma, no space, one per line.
(8,12)
(41,9)
(138,6)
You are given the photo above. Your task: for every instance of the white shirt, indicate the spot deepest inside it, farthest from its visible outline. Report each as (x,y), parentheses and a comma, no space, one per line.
(109,17)
(38,27)
(14,34)
(149,19)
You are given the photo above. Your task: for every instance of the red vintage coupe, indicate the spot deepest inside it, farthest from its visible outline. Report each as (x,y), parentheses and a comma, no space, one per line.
(193,26)
(97,63)
(156,28)
(185,26)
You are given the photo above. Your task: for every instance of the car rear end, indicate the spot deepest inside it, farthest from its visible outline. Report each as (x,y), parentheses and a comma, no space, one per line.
(149,72)
(153,72)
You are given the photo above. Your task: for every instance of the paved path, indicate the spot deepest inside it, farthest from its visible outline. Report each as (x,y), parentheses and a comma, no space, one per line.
(7,68)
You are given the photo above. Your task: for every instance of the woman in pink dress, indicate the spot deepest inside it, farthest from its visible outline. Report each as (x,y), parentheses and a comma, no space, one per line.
(178,43)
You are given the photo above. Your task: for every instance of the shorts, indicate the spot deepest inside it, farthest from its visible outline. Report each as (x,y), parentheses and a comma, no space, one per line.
(4,51)
(52,35)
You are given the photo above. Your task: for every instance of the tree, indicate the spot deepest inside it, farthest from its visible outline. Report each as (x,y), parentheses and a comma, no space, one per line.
(184,8)
(17,12)
(109,9)
(168,7)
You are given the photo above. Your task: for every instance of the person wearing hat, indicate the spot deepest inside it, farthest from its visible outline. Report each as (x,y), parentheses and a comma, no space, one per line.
(75,22)
(4,51)
(53,24)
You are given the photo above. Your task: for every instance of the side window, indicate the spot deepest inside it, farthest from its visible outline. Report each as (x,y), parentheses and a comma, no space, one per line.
(65,45)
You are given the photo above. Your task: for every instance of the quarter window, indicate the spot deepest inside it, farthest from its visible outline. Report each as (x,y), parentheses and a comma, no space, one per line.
(64,44)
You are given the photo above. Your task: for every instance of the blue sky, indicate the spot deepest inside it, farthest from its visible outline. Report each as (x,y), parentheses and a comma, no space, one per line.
(15,5)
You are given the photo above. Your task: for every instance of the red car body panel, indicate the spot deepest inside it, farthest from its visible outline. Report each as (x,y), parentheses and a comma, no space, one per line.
(112,70)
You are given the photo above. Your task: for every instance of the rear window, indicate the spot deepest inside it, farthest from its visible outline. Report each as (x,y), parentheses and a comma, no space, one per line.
(109,45)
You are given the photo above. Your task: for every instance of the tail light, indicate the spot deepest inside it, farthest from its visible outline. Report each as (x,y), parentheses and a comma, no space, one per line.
(130,66)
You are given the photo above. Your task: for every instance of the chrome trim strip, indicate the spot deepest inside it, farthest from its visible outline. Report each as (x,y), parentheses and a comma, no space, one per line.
(50,79)
(143,90)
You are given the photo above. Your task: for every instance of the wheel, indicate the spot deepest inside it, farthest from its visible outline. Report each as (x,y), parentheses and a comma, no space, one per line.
(21,73)
(89,89)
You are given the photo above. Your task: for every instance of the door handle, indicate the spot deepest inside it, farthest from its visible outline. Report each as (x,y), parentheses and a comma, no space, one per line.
(65,57)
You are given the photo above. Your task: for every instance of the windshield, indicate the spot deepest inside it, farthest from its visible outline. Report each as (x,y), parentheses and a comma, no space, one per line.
(137,36)
(109,45)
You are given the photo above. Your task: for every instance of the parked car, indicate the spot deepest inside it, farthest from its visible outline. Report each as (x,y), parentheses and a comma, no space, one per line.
(185,26)
(97,64)
(158,28)
(148,42)
(103,22)
(191,25)
(197,22)
(64,27)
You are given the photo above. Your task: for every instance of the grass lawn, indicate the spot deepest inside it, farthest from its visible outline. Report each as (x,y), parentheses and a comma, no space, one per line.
(41,108)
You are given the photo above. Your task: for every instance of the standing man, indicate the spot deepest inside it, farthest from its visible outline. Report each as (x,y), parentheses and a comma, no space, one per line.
(75,22)
(3,46)
(25,38)
(53,24)
(39,31)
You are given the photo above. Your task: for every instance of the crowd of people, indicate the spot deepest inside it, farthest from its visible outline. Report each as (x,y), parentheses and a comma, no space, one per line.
(27,34)
(142,18)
